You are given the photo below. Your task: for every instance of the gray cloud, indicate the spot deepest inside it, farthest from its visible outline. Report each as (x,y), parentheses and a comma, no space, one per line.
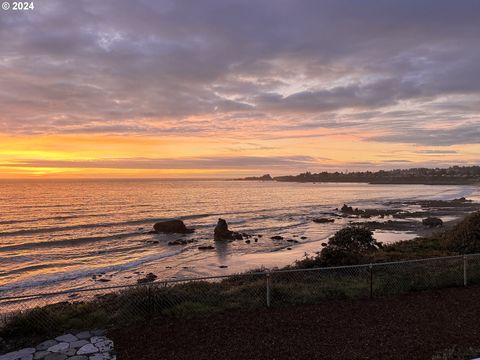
(464,134)
(218,162)
(437,152)
(123,67)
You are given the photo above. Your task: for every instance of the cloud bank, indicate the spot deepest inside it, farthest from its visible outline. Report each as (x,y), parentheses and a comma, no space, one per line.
(400,71)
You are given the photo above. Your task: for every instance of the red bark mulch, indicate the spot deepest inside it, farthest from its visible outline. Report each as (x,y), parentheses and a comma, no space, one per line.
(412,326)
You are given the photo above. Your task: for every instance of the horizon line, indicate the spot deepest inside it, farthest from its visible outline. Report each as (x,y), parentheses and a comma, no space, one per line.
(31,178)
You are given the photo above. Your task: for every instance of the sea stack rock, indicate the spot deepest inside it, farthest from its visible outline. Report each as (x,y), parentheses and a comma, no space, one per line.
(172,226)
(222,232)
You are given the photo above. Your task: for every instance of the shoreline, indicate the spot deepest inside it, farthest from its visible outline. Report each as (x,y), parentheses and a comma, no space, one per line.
(379,182)
(393,222)
(454,175)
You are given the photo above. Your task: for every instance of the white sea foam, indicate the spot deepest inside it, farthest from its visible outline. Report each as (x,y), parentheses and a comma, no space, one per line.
(40,281)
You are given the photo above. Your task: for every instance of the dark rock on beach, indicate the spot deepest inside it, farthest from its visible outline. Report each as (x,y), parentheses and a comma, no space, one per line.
(181,242)
(172,226)
(277,237)
(206,247)
(323,220)
(150,277)
(347,209)
(368,213)
(432,222)
(222,232)
(455,203)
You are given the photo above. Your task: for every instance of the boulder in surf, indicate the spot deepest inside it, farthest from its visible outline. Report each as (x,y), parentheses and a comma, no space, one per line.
(222,232)
(172,226)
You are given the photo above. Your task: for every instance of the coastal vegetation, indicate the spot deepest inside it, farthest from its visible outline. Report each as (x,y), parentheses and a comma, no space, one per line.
(455,175)
(351,245)
(266,177)
(355,245)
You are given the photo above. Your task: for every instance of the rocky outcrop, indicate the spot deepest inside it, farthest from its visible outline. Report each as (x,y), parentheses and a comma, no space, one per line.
(222,232)
(368,213)
(265,177)
(432,222)
(323,220)
(181,242)
(150,277)
(347,209)
(172,226)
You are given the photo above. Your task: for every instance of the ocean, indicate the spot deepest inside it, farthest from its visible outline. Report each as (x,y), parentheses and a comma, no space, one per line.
(66,234)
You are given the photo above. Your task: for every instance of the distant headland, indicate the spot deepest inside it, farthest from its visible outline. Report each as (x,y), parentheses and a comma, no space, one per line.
(265,177)
(455,175)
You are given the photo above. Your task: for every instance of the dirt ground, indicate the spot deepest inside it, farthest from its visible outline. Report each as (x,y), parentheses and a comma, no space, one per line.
(412,326)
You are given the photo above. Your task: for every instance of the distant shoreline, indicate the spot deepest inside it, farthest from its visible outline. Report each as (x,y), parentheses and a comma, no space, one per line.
(456,175)
(453,183)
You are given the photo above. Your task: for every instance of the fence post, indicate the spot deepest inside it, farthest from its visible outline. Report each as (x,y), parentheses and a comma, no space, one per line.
(465,263)
(268,289)
(150,301)
(370,267)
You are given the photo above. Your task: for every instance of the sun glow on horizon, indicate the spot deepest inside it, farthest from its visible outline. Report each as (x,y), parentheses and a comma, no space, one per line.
(84,156)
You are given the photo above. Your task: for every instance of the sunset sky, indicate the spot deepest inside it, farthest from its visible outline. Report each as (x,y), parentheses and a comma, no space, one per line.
(222,88)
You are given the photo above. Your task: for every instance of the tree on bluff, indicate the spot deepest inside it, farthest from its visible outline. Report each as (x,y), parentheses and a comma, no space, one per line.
(464,237)
(349,246)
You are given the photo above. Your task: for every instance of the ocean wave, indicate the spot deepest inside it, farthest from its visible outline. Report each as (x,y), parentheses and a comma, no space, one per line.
(144,221)
(59,217)
(72,227)
(66,242)
(451,193)
(65,276)
(455,193)
(25,269)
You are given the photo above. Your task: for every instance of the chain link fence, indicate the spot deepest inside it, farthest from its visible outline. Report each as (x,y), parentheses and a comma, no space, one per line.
(51,313)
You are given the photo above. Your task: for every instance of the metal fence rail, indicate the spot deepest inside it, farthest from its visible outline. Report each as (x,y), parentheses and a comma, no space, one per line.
(116,305)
